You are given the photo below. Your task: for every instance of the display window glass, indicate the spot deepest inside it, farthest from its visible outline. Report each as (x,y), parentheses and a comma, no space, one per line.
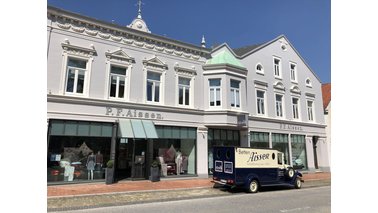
(78,151)
(280,142)
(175,150)
(298,149)
(220,137)
(259,140)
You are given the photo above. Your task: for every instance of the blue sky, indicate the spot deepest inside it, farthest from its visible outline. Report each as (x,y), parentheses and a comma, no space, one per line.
(306,23)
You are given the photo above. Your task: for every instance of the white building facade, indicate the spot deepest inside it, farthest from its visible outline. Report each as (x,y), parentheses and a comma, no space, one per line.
(127,95)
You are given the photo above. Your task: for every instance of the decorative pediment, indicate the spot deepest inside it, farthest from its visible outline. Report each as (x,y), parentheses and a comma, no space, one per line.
(279,85)
(311,95)
(119,55)
(261,83)
(155,62)
(295,89)
(185,70)
(78,50)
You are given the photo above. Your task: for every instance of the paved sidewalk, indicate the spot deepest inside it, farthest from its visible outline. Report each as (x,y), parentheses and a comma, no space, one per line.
(145,185)
(84,196)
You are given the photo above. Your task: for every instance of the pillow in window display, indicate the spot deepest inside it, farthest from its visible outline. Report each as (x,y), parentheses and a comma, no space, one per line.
(170,154)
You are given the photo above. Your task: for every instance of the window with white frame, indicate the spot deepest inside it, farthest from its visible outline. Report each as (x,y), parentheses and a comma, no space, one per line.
(215,92)
(279,105)
(277,67)
(293,72)
(295,105)
(76,72)
(184,91)
(235,93)
(260,102)
(153,86)
(310,112)
(117,82)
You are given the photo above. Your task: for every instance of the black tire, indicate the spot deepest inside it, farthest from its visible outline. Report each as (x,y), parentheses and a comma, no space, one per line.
(290,172)
(253,186)
(298,183)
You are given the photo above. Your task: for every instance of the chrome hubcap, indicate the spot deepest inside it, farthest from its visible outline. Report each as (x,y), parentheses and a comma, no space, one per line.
(253,186)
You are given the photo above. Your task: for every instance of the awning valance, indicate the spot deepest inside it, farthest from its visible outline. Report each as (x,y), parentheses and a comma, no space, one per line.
(137,129)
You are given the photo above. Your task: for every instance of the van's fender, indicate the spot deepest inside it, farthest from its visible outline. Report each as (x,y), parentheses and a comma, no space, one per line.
(249,178)
(297,175)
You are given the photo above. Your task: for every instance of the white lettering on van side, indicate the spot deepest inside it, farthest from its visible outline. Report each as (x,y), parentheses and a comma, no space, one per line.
(255,157)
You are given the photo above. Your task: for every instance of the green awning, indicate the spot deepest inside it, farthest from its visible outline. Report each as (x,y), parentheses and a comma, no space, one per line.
(136,129)
(150,129)
(125,129)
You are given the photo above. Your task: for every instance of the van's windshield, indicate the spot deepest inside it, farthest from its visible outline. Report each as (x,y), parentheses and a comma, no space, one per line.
(279,158)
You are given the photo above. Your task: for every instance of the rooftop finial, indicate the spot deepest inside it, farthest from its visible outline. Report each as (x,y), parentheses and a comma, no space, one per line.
(138,23)
(203,42)
(140,9)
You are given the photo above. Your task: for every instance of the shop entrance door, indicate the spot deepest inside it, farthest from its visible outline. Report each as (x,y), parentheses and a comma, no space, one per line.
(124,158)
(140,159)
(131,159)
(314,145)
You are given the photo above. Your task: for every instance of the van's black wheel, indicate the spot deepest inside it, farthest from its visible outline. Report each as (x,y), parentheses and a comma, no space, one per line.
(298,183)
(253,186)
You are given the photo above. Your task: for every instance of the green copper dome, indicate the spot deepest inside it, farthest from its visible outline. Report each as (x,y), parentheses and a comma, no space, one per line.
(225,57)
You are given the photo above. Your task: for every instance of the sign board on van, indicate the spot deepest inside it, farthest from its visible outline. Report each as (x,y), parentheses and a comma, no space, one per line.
(255,158)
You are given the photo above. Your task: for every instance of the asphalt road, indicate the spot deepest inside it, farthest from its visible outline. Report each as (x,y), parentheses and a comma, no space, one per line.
(317,199)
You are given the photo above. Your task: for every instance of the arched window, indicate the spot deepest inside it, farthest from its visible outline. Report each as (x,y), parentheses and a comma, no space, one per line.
(259,68)
(308,82)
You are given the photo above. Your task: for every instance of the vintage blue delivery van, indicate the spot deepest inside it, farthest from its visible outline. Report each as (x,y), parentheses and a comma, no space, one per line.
(251,168)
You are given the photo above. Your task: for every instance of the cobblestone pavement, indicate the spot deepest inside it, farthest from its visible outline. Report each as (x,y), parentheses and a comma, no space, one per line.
(127,198)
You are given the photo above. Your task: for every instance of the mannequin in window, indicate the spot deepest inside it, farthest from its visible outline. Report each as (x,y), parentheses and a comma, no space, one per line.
(99,160)
(91,162)
(178,162)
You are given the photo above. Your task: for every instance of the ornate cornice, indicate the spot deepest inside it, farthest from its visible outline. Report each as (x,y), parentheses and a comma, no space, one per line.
(90,27)
(224,68)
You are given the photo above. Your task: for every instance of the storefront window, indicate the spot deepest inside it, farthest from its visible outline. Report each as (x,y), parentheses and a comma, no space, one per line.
(176,150)
(259,140)
(78,151)
(280,142)
(298,149)
(220,137)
